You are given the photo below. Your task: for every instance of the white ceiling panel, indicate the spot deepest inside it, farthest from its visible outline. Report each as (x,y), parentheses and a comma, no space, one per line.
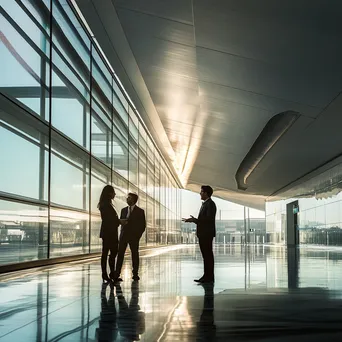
(156,27)
(233,96)
(280,33)
(219,70)
(177,10)
(315,89)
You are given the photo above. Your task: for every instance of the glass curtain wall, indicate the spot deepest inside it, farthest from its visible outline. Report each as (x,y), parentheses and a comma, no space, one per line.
(320,206)
(67,130)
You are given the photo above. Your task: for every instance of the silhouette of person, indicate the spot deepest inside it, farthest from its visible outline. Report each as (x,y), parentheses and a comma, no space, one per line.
(131,233)
(131,321)
(107,330)
(109,231)
(206,231)
(206,328)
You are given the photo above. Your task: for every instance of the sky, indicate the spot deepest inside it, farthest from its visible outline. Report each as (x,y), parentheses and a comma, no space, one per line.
(191,204)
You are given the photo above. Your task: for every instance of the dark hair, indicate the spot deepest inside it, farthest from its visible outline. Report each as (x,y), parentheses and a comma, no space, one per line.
(105,197)
(135,196)
(208,189)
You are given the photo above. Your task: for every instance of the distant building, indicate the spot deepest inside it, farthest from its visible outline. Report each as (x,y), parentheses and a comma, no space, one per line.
(231,231)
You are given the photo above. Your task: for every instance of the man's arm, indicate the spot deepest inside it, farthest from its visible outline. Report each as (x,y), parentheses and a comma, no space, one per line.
(140,223)
(123,217)
(143,221)
(122,213)
(191,219)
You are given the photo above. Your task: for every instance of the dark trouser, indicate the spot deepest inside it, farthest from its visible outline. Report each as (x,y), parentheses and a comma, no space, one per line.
(206,246)
(107,246)
(134,247)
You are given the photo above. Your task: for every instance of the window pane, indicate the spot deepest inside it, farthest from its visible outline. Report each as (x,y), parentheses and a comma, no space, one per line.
(101,129)
(133,149)
(71,76)
(23,146)
(120,149)
(121,188)
(95,241)
(70,109)
(24,66)
(23,232)
(69,174)
(142,171)
(101,135)
(70,39)
(100,177)
(150,169)
(69,233)
(120,104)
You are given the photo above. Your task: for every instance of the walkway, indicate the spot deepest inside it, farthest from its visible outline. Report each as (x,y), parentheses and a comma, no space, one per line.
(256,297)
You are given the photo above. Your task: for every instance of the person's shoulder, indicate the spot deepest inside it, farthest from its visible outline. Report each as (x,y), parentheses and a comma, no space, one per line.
(141,209)
(212,202)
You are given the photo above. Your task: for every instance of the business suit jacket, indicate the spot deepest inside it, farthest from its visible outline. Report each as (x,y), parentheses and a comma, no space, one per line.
(110,223)
(206,227)
(136,223)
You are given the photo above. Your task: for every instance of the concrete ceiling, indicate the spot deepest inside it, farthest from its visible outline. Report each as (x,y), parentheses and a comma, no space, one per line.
(217,70)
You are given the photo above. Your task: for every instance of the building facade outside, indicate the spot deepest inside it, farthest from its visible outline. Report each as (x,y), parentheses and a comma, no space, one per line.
(231,231)
(66,130)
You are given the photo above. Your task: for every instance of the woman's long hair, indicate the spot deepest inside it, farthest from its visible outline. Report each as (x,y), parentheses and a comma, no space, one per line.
(106,196)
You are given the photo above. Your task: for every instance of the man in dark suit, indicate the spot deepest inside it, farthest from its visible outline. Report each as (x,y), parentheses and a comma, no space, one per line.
(131,233)
(206,232)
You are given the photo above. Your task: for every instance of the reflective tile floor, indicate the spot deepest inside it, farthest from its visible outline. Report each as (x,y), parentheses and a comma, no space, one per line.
(261,294)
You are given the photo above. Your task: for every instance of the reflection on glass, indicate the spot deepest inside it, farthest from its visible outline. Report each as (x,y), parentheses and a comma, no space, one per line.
(133,148)
(100,177)
(24,51)
(320,204)
(69,233)
(95,136)
(69,175)
(23,232)
(95,241)
(23,145)
(120,148)
(101,123)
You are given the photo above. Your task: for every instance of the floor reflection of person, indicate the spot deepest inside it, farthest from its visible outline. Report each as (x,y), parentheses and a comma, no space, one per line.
(206,328)
(107,330)
(131,321)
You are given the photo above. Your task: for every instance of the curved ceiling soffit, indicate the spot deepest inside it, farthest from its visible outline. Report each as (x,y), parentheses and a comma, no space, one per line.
(275,128)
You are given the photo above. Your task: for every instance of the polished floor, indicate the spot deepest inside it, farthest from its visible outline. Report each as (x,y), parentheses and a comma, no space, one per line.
(261,293)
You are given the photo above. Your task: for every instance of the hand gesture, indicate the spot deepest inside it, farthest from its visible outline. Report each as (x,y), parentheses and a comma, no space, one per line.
(191,219)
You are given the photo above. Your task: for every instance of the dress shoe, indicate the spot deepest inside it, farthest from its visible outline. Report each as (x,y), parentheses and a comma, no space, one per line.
(136,277)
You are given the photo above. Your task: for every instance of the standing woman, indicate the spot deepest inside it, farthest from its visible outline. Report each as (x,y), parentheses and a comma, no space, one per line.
(109,231)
